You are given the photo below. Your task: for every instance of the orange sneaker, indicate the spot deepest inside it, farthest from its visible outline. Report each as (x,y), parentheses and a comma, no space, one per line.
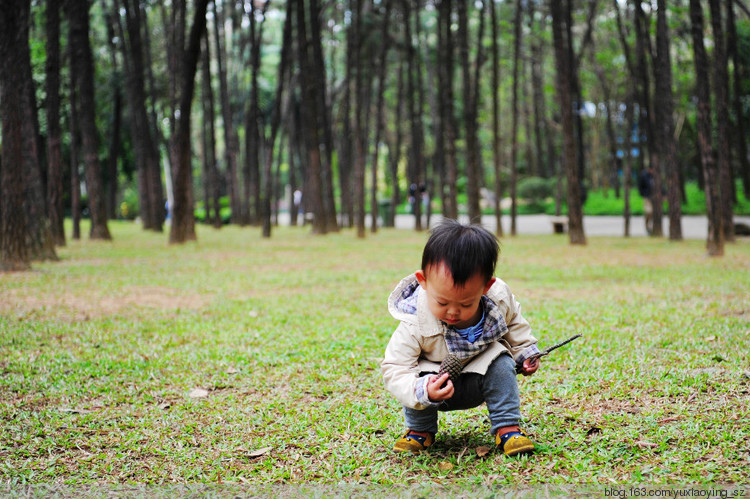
(413,442)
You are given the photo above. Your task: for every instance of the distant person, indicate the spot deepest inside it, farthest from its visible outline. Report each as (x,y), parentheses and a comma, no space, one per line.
(297,202)
(646,190)
(455,305)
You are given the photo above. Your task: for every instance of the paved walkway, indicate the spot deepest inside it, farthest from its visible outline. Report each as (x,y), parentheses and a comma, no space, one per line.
(693,227)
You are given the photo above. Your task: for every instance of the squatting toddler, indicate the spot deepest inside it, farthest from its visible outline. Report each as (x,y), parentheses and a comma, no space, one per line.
(455,305)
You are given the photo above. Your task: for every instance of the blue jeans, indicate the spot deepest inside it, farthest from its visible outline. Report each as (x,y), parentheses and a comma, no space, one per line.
(498,388)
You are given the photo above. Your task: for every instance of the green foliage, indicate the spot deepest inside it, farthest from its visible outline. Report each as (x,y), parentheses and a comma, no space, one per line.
(102,352)
(129,208)
(537,191)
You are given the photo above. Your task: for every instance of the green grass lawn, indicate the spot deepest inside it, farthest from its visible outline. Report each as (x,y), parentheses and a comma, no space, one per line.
(237,359)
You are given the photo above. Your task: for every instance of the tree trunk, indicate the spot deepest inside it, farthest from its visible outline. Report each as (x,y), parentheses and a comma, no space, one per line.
(447,116)
(15,251)
(473,179)
(416,157)
(496,145)
(379,116)
(346,154)
(739,115)
(230,135)
(646,120)
(210,171)
(275,121)
(145,144)
(111,180)
(715,241)
(361,90)
(539,108)
(183,220)
(54,134)
(313,194)
(563,68)
(395,145)
(721,99)
(664,108)
(319,77)
(517,23)
(75,179)
(83,65)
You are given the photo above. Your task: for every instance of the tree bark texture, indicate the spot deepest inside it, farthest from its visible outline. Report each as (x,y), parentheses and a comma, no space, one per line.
(517,36)
(83,65)
(715,241)
(563,68)
(183,220)
(55,189)
(15,251)
(496,141)
(313,195)
(231,142)
(664,108)
(145,143)
(721,102)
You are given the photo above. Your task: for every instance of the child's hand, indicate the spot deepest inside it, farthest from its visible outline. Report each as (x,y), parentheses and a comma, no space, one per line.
(435,389)
(530,366)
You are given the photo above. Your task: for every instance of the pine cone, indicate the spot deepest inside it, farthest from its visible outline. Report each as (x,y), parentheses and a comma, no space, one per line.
(452,365)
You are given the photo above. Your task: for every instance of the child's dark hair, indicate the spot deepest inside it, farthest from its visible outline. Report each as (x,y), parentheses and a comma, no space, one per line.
(464,249)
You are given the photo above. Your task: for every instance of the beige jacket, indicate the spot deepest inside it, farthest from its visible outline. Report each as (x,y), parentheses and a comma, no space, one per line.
(418,344)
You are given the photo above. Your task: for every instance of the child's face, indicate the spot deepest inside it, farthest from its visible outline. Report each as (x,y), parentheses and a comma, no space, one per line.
(455,306)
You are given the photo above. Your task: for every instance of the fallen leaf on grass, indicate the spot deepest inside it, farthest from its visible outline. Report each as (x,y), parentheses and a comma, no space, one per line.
(482,451)
(260,452)
(646,445)
(75,411)
(668,420)
(198,393)
(445,466)
(232,370)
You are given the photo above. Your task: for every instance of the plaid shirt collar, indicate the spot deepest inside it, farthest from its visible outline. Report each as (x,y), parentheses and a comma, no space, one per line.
(494,328)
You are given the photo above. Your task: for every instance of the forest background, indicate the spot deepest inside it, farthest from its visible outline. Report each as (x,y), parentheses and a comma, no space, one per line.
(219,111)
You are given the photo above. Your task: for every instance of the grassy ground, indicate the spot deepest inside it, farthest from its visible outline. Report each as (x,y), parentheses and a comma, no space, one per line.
(238,359)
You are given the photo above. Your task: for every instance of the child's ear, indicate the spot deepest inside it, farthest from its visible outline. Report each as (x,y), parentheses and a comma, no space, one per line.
(489,285)
(420,277)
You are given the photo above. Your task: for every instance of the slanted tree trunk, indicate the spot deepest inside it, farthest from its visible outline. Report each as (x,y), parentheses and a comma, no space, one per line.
(83,65)
(54,134)
(715,241)
(183,220)
(664,108)
(721,99)
(563,68)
